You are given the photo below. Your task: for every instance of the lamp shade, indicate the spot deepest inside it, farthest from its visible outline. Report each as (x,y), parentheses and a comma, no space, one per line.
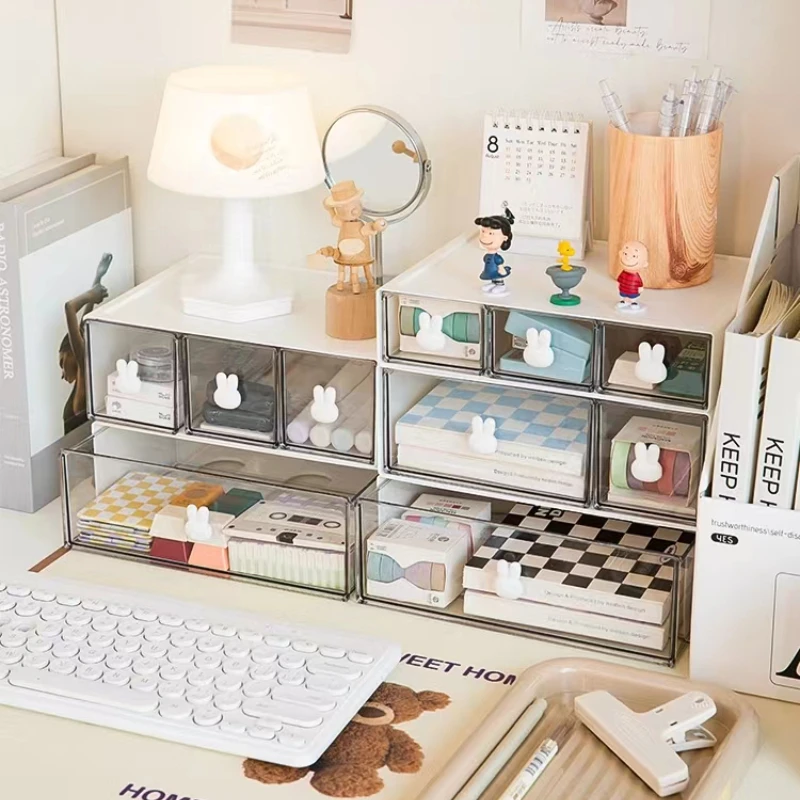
(235,132)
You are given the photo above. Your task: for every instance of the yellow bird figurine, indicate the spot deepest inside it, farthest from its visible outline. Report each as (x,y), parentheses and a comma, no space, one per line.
(566,251)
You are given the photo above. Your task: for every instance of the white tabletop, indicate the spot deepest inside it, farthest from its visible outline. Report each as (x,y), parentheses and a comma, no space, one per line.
(26,539)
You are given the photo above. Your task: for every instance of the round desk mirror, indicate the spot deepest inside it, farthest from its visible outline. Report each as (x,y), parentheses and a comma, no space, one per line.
(383,155)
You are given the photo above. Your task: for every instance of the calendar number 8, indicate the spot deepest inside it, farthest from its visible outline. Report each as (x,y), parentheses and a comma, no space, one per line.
(493,145)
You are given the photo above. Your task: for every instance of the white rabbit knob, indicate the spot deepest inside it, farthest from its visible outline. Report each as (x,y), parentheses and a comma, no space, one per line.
(128,380)
(197,527)
(324,409)
(227,394)
(508,581)
(646,467)
(650,367)
(539,353)
(430,336)
(482,440)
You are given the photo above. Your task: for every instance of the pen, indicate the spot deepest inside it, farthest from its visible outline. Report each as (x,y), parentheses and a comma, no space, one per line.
(669,111)
(522,784)
(708,100)
(616,113)
(688,104)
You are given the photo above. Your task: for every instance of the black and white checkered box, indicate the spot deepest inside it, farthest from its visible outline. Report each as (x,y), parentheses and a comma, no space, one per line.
(586,562)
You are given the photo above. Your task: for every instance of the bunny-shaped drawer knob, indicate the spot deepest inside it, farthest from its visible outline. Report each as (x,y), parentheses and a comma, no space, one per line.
(128,380)
(646,467)
(508,581)
(539,352)
(650,368)
(227,394)
(430,336)
(482,439)
(324,409)
(198,526)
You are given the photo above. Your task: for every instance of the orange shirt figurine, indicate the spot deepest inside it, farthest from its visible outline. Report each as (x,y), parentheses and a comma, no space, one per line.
(633,258)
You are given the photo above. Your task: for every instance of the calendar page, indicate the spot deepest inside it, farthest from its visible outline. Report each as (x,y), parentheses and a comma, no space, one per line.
(538,168)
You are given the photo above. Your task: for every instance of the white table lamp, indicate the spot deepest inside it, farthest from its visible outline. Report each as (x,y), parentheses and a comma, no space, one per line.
(236,133)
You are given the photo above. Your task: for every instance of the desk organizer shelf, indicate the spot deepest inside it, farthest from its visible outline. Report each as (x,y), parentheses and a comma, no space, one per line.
(184,503)
(598,582)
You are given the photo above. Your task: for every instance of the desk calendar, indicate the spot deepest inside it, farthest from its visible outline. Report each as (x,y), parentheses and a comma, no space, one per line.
(539,167)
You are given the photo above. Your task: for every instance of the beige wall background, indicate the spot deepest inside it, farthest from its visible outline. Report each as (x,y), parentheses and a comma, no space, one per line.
(439,63)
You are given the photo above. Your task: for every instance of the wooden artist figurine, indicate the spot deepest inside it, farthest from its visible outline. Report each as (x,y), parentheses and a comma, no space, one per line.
(633,258)
(354,250)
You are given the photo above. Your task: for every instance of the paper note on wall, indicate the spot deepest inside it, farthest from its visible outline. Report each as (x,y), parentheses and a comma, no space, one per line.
(678,28)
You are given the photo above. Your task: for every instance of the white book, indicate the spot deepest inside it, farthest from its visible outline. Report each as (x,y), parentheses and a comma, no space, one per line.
(779,446)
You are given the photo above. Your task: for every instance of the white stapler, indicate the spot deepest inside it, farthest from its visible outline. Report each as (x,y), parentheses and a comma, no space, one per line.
(649,743)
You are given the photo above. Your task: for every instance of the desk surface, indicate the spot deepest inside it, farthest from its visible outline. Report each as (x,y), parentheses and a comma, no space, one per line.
(24,540)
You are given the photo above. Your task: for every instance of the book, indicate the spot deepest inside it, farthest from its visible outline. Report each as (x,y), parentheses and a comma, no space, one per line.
(65,246)
(538,166)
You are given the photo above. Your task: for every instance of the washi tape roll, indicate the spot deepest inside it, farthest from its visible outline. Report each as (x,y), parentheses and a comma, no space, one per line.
(621,453)
(683,474)
(667,483)
(675,480)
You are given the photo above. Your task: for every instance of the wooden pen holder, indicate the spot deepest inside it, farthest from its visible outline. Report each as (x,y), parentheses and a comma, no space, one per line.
(664,193)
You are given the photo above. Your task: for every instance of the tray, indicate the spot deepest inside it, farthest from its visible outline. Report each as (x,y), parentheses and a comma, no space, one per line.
(585,769)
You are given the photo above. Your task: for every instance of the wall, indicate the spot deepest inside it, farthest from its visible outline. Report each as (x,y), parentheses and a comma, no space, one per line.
(439,63)
(30,120)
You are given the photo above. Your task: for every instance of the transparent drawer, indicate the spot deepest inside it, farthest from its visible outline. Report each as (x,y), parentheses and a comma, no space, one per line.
(242,513)
(649,460)
(428,331)
(542,347)
(673,367)
(231,389)
(134,375)
(579,577)
(485,434)
(330,404)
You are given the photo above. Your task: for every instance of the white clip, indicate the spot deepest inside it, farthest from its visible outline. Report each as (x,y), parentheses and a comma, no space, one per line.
(227,394)
(649,743)
(650,368)
(128,380)
(324,409)
(482,439)
(429,336)
(197,527)
(538,353)
(508,581)
(646,467)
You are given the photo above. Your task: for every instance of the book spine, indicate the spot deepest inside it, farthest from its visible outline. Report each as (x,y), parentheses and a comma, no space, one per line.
(741,403)
(776,466)
(15,463)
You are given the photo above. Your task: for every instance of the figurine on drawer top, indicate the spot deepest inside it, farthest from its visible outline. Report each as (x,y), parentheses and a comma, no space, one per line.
(496,235)
(565,276)
(633,258)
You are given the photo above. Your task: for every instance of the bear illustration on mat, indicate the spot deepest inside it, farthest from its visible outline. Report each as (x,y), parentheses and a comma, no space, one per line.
(351,766)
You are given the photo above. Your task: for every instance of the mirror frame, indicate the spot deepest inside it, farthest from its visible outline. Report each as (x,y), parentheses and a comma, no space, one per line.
(424,163)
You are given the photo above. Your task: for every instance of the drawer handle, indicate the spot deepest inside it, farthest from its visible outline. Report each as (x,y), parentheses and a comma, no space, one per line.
(429,336)
(324,409)
(227,394)
(128,380)
(482,440)
(650,366)
(539,353)
(197,527)
(508,581)
(646,467)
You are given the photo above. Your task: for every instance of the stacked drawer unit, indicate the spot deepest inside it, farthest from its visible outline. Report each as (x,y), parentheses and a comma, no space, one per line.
(585,411)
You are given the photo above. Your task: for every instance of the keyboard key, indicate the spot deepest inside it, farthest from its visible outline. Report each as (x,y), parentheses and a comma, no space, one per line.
(226,631)
(360,658)
(35,661)
(291,740)
(145,666)
(104,623)
(68,600)
(234,723)
(229,701)
(79,619)
(72,688)
(130,627)
(91,655)
(89,672)
(201,677)
(208,661)
(328,685)
(93,605)
(101,640)
(142,683)
(127,644)
(6,603)
(171,620)
(65,650)
(117,677)
(153,650)
(285,713)
(172,672)
(210,644)
(29,608)
(237,650)
(145,615)
(26,626)
(49,630)
(75,635)
(265,655)
(183,639)
(304,647)
(51,613)
(181,655)
(62,666)
(290,661)
(42,597)
(257,689)
(260,732)
(156,633)
(11,655)
(38,644)
(117,661)
(278,641)
(228,683)
(174,709)
(303,697)
(263,672)
(296,677)
(18,591)
(197,626)
(236,667)
(13,639)
(199,696)
(253,637)
(320,667)
(117,610)
(171,691)
(207,717)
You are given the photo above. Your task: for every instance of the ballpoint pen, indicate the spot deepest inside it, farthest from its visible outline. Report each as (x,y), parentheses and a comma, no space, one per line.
(691,87)
(616,113)
(708,100)
(669,112)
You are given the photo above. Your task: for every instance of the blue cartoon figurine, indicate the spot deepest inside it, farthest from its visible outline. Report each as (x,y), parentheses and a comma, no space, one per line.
(495,236)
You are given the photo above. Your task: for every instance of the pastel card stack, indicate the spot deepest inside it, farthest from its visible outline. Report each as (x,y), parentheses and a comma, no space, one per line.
(455,513)
(439,329)
(541,439)
(570,341)
(581,573)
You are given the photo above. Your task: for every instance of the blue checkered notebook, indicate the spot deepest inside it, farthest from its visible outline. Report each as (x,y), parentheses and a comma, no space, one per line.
(543,431)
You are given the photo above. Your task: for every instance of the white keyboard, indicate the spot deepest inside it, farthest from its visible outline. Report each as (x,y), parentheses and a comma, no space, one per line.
(227,681)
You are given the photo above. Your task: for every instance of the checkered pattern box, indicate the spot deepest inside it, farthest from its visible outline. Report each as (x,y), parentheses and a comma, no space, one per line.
(585,562)
(535,432)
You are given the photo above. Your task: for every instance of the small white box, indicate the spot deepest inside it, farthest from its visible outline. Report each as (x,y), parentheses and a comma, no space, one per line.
(160,394)
(416,563)
(125,408)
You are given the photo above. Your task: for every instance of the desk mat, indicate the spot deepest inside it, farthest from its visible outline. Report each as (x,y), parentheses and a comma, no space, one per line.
(451,677)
